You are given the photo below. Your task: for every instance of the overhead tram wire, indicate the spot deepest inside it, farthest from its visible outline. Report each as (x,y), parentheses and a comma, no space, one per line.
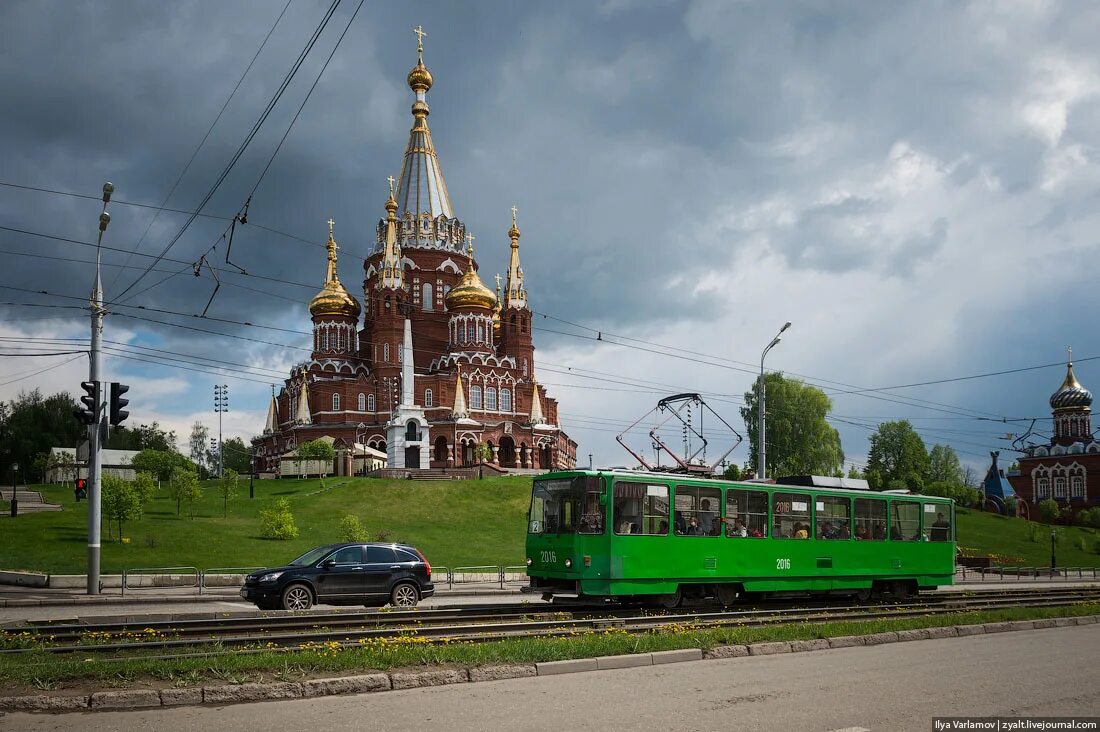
(202,142)
(165,209)
(266,167)
(37,371)
(244,145)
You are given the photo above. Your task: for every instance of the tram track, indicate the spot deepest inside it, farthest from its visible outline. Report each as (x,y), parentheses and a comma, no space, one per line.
(168,639)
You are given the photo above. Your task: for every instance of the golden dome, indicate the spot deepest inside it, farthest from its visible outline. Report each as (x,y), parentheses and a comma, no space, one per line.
(420,79)
(333,299)
(471,293)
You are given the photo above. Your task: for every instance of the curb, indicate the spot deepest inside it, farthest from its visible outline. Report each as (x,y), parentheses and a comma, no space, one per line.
(396,680)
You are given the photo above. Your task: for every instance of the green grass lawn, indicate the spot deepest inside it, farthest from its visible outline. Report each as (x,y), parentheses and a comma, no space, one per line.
(1007,541)
(456,523)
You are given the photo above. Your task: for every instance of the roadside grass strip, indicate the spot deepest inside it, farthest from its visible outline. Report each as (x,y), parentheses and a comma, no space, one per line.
(39,671)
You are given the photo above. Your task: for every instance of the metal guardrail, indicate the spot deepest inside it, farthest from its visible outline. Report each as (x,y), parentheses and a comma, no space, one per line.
(446,574)
(232,571)
(127,573)
(1018,573)
(518,574)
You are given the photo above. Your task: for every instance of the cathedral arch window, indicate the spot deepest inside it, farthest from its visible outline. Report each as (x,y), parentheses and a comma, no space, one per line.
(386,352)
(525,368)
(362,406)
(336,402)
(427,397)
(475,397)
(527,325)
(370,402)
(324,340)
(1077,486)
(490,399)
(1060,487)
(480,332)
(506,400)
(1042,488)
(426,299)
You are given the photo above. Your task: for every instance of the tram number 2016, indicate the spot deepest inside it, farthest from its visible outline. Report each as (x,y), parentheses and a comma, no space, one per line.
(782,563)
(548,557)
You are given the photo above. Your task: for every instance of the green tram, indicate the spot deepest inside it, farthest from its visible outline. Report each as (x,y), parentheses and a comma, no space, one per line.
(659,537)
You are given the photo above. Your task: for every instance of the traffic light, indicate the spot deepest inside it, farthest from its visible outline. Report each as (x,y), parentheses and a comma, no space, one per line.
(118,415)
(86,414)
(81,489)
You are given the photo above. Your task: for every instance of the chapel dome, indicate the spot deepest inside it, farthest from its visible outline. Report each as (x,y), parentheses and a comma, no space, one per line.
(1070,394)
(471,292)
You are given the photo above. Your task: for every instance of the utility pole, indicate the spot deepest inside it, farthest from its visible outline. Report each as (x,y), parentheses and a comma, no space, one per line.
(97,428)
(221,406)
(251,471)
(761,389)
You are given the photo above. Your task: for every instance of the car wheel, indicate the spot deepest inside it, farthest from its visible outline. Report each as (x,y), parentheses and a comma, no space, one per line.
(404,594)
(297,597)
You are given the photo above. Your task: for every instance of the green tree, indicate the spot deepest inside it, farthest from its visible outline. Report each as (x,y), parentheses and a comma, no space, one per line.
(854,472)
(197,446)
(944,466)
(63,464)
(160,463)
(183,486)
(351,529)
(31,424)
(227,487)
(237,455)
(484,454)
(145,487)
(732,472)
(898,455)
(320,451)
(800,440)
(278,521)
(1049,510)
(119,501)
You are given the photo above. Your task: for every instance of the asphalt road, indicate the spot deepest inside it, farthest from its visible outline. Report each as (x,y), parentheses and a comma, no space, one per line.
(894,687)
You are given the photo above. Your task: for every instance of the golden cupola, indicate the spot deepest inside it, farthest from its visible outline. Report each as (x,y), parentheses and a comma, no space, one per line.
(333,299)
(471,292)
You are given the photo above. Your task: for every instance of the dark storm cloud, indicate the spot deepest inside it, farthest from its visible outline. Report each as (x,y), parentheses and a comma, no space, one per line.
(648,146)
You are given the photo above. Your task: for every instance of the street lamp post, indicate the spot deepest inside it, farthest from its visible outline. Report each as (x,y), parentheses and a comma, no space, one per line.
(761,451)
(14,500)
(1053,560)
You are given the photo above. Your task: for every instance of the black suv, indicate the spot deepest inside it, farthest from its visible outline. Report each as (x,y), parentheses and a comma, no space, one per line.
(344,574)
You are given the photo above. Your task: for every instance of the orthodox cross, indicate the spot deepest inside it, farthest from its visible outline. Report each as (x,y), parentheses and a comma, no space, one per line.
(498,282)
(390,179)
(419,37)
(1070,348)
(470,241)
(330,224)
(514,211)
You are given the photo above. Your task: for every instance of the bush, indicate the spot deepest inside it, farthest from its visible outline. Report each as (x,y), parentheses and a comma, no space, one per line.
(352,530)
(1034,533)
(1011,504)
(1049,510)
(278,522)
(1096,547)
(145,485)
(1091,517)
(119,502)
(1082,543)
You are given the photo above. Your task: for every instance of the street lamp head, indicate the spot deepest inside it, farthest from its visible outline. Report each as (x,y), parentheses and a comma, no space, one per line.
(108,189)
(788,325)
(774,343)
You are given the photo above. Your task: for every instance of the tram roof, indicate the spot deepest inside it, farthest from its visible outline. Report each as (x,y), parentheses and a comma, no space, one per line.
(670,475)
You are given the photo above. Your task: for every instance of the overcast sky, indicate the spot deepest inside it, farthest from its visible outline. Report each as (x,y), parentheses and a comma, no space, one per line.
(913,185)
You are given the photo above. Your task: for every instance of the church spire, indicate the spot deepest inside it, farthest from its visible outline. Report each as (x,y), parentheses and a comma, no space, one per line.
(393,275)
(303,416)
(515,294)
(459,411)
(272,415)
(421,188)
(536,405)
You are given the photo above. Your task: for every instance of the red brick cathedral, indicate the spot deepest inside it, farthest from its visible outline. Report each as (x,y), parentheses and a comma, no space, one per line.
(1068,468)
(438,364)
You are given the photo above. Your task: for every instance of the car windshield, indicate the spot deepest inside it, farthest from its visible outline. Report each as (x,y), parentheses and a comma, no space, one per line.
(311,557)
(566,506)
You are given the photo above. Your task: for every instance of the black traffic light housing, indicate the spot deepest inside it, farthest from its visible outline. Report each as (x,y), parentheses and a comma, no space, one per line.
(80,489)
(118,415)
(86,414)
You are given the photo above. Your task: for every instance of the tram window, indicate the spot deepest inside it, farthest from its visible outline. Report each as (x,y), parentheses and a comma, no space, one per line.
(938,528)
(560,506)
(833,517)
(746,513)
(696,511)
(641,508)
(870,519)
(790,516)
(592,515)
(905,521)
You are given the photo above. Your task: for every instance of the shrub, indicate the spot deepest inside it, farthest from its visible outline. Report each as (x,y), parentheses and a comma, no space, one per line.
(1034,533)
(1096,547)
(352,530)
(145,485)
(1049,510)
(1011,504)
(278,522)
(1082,543)
(1091,517)
(119,501)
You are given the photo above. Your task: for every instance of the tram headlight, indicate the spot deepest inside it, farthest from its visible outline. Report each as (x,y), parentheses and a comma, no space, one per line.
(568,563)
(529,562)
